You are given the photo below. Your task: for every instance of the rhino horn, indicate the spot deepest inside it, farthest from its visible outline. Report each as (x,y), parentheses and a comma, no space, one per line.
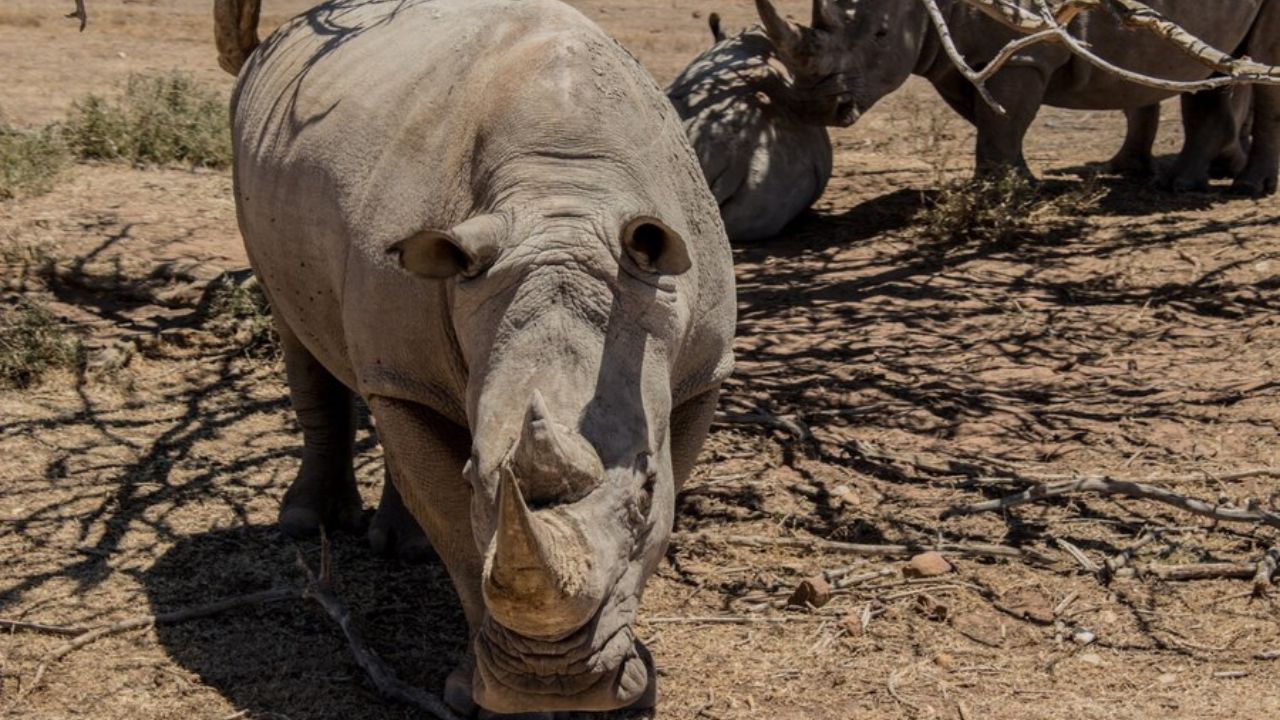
(537,579)
(826,15)
(552,462)
(787,37)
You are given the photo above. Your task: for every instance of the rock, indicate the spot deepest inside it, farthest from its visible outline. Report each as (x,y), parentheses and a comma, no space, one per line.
(1083,636)
(928,564)
(1090,658)
(944,661)
(811,592)
(1028,604)
(981,628)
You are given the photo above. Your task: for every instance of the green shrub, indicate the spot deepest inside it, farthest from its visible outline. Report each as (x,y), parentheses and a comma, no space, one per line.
(168,118)
(30,161)
(32,341)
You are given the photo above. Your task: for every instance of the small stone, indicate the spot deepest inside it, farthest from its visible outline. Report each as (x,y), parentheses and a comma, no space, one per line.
(944,661)
(811,592)
(1090,659)
(1028,604)
(928,564)
(1083,636)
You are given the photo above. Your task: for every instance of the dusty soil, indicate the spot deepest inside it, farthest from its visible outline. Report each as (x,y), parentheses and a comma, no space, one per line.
(1140,341)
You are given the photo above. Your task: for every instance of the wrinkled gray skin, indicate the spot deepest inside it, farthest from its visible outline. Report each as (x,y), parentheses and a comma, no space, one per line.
(857,51)
(765,162)
(484,218)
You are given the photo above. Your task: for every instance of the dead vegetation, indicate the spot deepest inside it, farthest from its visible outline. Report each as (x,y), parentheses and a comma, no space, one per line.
(32,342)
(1003,209)
(30,160)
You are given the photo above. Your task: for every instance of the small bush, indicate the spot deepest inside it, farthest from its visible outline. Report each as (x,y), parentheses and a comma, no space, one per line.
(1002,209)
(30,161)
(160,119)
(32,342)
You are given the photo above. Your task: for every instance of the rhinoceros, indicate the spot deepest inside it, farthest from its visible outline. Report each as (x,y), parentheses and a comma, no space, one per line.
(857,51)
(1229,114)
(483,217)
(765,160)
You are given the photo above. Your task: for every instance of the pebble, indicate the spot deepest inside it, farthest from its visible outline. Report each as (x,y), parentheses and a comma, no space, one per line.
(928,564)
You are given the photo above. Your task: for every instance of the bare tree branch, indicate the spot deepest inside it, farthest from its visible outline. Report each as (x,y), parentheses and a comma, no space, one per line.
(1043,23)
(80,13)
(1138,490)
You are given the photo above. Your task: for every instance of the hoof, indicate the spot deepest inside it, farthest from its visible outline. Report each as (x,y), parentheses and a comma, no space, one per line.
(395,533)
(1252,188)
(1131,167)
(310,504)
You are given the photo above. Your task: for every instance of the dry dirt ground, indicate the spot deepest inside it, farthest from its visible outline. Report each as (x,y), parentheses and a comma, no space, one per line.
(1141,342)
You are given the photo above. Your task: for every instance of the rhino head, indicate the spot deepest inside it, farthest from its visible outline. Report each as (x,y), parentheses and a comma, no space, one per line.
(567,315)
(853,53)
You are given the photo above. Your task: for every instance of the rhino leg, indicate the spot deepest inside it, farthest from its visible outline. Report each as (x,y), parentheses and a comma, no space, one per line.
(1020,90)
(1134,158)
(394,531)
(1231,161)
(324,491)
(1208,127)
(1259,175)
(425,457)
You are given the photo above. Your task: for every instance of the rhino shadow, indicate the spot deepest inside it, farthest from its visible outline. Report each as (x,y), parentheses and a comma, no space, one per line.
(288,658)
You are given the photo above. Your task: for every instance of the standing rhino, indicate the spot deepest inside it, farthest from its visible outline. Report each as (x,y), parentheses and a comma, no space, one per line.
(483,217)
(857,51)
(1229,115)
(765,160)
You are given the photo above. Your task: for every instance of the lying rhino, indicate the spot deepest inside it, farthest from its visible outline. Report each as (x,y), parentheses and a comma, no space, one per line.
(483,217)
(766,162)
(857,51)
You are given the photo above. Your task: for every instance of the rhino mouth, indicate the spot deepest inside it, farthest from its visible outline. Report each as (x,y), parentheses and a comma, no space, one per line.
(586,671)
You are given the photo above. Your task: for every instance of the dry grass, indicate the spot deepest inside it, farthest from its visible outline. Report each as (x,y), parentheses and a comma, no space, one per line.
(30,161)
(235,308)
(159,119)
(32,342)
(1002,209)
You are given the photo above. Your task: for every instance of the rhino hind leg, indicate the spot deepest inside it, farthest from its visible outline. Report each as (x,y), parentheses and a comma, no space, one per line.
(1134,157)
(1259,175)
(324,492)
(1209,128)
(394,531)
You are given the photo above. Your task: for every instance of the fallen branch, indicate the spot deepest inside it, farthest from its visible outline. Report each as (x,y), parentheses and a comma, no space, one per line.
(1126,488)
(789,424)
(733,619)
(13,625)
(1202,571)
(200,611)
(383,678)
(80,14)
(962,549)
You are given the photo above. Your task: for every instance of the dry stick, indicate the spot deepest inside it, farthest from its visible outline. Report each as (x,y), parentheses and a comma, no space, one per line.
(1265,572)
(12,625)
(382,677)
(1202,571)
(1131,489)
(169,618)
(732,619)
(963,549)
(80,13)
(1089,565)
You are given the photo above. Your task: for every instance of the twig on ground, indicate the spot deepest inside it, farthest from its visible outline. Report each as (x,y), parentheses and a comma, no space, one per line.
(1089,565)
(1266,572)
(732,619)
(1119,487)
(176,616)
(382,677)
(792,425)
(14,625)
(962,549)
(1202,571)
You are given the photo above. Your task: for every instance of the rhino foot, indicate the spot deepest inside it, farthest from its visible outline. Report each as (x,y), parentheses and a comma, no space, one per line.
(1250,187)
(1139,166)
(395,533)
(314,501)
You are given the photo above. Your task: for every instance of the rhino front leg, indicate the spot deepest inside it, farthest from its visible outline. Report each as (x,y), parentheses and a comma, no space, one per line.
(394,531)
(1208,127)
(324,491)
(1020,91)
(1134,158)
(425,457)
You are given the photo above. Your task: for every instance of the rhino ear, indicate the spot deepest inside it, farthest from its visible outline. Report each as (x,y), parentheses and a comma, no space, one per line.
(826,15)
(467,248)
(655,247)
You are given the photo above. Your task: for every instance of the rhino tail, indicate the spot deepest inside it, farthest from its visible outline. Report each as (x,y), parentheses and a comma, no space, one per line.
(235,31)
